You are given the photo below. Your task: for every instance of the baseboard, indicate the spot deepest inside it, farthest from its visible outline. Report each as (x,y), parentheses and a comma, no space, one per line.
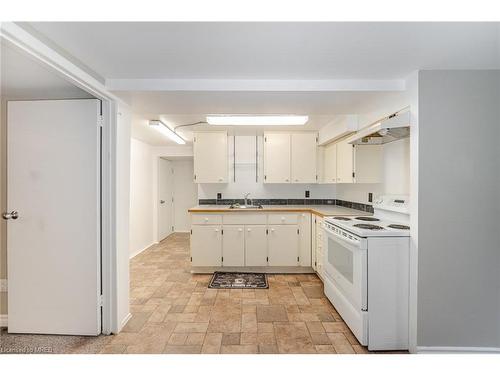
(3,285)
(140,251)
(3,320)
(124,321)
(455,349)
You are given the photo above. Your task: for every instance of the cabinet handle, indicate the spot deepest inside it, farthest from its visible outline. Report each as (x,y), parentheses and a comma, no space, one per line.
(287,180)
(296,180)
(206,219)
(249,230)
(240,230)
(282,218)
(216,230)
(272,229)
(221,179)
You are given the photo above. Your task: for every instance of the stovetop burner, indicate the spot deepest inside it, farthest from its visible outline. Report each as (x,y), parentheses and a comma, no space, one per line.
(368,226)
(365,218)
(399,226)
(341,218)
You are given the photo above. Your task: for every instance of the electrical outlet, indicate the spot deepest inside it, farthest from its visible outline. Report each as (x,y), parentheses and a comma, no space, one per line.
(370,197)
(219,195)
(307,194)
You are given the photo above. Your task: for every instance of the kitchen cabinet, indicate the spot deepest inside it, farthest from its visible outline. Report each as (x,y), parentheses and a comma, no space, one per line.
(345,162)
(233,245)
(318,247)
(206,245)
(277,157)
(283,245)
(255,245)
(305,239)
(330,163)
(303,157)
(210,157)
(290,157)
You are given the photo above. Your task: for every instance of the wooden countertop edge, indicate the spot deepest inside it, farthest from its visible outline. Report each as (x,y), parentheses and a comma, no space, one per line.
(310,210)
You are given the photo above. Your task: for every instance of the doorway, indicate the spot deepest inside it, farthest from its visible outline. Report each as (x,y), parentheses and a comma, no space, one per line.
(177,192)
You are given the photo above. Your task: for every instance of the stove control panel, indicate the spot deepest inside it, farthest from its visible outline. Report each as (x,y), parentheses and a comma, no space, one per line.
(398,203)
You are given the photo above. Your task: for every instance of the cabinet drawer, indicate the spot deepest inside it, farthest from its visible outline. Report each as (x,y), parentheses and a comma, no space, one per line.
(283,218)
(199,219)
(245,218)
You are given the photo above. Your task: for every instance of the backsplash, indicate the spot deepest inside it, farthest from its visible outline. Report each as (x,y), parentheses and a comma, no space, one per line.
(284,202)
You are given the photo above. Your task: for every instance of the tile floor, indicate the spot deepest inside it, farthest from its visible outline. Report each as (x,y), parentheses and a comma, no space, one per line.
(173,311)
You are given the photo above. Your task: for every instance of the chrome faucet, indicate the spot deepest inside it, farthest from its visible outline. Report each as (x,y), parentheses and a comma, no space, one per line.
(246,199)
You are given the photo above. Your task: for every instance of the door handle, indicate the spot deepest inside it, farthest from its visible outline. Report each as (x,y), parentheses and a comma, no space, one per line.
(10,215)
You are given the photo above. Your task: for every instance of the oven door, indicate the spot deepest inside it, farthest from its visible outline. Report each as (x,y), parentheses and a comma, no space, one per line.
(345,264)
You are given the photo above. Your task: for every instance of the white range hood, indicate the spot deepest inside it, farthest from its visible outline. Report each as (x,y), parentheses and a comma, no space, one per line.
(392,128)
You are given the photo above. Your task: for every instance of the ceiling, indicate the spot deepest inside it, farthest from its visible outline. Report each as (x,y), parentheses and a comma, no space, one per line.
(274,50)
(24,78)
(180,72)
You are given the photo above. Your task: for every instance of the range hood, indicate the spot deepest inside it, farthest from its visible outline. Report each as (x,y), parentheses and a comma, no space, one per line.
(391,128)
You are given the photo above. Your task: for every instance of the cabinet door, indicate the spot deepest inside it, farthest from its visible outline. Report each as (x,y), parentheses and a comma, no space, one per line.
(206,245)
(345,160)
(283,245)
(368,164)
(305,239)
(255,245)
(330,163)
(233,246)
(276,157)
(210,157)
(303,152)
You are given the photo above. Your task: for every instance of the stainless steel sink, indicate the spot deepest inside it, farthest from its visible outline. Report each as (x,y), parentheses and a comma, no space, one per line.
(237,206)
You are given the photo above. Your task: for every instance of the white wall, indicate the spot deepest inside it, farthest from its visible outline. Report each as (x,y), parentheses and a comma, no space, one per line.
(141,197)
(185,193)
(458,227)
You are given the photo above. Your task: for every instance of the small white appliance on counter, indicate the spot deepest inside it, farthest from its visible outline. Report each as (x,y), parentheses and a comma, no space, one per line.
(367,272)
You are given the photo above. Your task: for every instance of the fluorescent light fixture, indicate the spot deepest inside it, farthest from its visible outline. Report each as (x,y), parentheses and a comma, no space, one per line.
(270,120)
(166,131)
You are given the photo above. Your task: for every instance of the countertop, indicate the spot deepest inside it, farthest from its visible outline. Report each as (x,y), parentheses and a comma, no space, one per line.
(321,210)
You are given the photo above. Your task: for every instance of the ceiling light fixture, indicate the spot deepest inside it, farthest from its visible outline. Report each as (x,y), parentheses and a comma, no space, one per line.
(270,120)
(166,131)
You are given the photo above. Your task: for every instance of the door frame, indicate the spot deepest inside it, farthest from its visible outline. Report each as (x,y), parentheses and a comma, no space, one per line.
(52,59)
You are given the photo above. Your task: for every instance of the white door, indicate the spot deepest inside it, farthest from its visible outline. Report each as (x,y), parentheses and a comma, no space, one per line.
(53,248)
(330,164)
(277,157)
(255,245)
(283,245)
(233,246)
(304,152)
(210,157)
(206,245)
(345,162)
(165,197)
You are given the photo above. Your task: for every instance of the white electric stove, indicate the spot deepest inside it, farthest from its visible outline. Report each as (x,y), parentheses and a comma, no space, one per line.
(367,272)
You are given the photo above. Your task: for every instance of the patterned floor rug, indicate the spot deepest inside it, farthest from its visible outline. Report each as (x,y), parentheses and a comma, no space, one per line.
(238,280)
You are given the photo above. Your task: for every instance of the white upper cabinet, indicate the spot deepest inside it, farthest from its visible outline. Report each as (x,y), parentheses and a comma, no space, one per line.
(330,163)
(210,157)
(304,153)
(277,157)
(345,162)
(290,157)
(368,164)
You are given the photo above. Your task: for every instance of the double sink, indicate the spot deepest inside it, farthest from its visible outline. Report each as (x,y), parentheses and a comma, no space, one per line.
(244,207)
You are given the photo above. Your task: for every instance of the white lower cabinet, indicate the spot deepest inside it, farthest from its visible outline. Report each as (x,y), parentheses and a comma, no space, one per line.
(251,240)
(283,245)
(206,245)
(233,245)
(255,245)
(319,246)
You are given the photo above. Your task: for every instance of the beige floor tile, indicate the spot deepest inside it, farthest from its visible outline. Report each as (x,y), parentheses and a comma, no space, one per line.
(268,349)
(335,327)
(182,349)
(191,327)
(195,339)
(248,338)
(343,348)
(239,349)
(177,339)
(272,313)
(325,349)
(320,339)
(315,327)
(114,349)
(231,339)
(136,322)
(265,327)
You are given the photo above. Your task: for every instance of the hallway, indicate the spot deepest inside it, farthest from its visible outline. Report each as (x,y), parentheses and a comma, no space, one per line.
(173,311)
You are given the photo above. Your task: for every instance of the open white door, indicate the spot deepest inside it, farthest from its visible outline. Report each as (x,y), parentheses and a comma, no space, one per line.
(53,247)
(165,195)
